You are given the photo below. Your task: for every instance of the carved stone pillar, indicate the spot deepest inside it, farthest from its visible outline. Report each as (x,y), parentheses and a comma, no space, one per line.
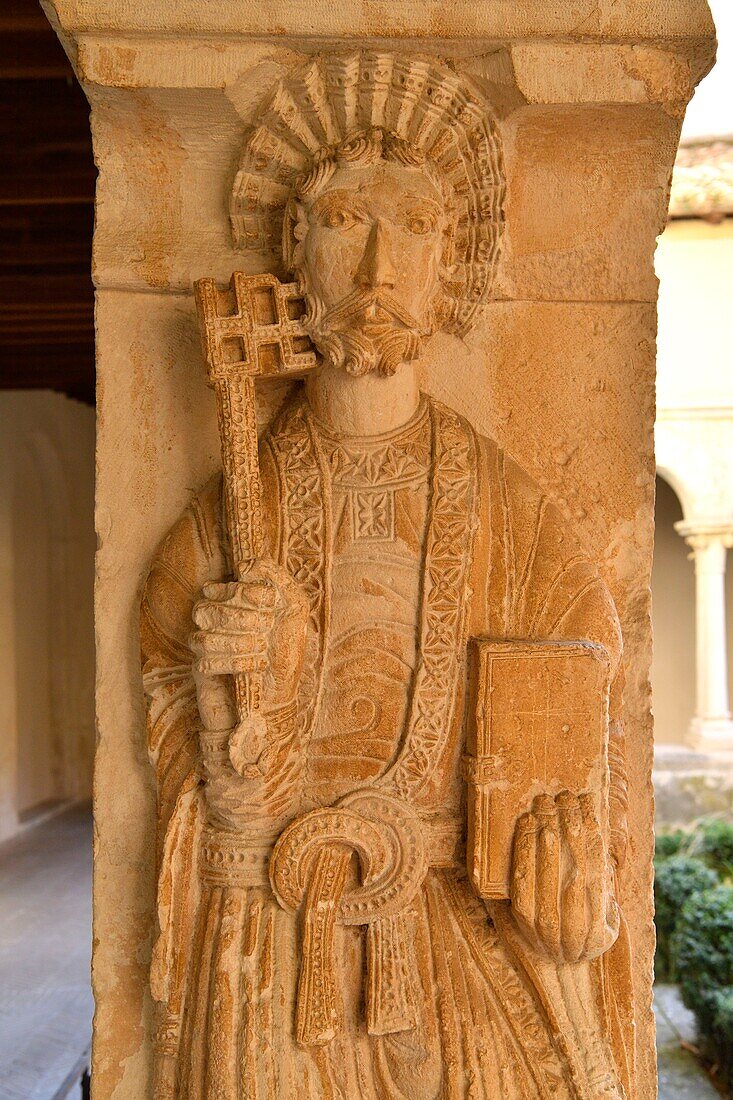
(462,203)
(712,727)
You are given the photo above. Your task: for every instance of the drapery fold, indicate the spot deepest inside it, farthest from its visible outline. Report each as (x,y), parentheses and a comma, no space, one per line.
(225,957)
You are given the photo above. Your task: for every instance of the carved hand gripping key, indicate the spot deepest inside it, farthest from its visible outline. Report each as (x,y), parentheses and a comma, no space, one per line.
(250,330)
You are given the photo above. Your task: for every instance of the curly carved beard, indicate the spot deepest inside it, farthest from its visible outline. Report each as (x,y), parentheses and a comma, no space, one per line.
(367,332)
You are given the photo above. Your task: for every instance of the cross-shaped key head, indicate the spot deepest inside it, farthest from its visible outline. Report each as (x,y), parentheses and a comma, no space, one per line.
(253,328)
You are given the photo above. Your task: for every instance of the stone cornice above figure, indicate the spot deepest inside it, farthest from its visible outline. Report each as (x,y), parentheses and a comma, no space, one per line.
(688,24)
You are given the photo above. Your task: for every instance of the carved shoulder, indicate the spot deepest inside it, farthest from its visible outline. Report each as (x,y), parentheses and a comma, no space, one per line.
(195,551)
(189,555)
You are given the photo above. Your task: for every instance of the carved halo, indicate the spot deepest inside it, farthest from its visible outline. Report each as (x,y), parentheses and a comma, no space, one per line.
(418,100)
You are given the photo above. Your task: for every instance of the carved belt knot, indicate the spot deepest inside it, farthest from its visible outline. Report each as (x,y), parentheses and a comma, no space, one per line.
(308,869)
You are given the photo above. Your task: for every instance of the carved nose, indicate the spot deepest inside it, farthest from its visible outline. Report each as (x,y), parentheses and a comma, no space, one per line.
(376,267)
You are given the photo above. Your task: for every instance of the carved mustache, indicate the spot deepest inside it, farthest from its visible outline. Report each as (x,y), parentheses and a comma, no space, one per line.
(359,301)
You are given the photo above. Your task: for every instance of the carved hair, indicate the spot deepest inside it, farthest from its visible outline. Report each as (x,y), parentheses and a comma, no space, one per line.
(369,147)
(414,110)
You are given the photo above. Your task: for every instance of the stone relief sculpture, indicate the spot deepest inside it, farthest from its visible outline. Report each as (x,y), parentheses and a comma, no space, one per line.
(383,677)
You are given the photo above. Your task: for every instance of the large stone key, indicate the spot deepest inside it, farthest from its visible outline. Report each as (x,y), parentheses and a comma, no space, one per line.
(252,329)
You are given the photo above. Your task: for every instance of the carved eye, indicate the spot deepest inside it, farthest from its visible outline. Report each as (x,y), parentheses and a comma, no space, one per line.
(338,218)
(419,223)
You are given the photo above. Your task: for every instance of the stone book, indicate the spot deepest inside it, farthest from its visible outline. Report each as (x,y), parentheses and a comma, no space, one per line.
(537,725)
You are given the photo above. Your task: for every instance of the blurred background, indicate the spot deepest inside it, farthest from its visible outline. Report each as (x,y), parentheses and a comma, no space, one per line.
(46,562)
(46,579)
(692,599)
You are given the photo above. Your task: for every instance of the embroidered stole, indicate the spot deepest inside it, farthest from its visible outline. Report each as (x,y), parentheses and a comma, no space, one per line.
(306,551)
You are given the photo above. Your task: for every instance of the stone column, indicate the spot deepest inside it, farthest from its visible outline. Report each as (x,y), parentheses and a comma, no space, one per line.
(588,100)
(712,726)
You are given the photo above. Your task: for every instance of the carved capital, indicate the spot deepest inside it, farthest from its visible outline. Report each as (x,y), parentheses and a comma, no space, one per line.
(709,542)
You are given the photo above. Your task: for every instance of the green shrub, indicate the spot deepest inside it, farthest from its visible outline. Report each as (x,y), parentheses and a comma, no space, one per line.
(723,1019)
(677,879)
(702,945)
(721,1039)
(670,844)
(715,845)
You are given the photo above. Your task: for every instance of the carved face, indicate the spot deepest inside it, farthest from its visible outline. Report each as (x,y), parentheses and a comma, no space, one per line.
(372,240)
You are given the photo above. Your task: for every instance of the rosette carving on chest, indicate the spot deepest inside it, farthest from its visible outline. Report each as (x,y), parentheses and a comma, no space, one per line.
(393,464)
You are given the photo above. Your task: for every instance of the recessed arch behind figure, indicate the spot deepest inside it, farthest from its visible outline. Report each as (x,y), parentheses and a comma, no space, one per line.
(48,689)
(39,757)
(673,620)
(676,482)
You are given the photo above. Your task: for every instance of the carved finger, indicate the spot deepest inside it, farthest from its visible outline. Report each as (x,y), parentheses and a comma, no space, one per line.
(230,665)
(291,597)
(227,654)
(229,619)
(294,613)
(573,908)
(273,573)
(294,595)
(524,858)
(605,925)
(613,912)
(212,643)
(613,917)
(257,594)
(548,874)
(596,879)
(220,590)
(254,593)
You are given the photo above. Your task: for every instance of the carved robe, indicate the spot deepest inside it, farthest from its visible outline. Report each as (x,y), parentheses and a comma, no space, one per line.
(407,545)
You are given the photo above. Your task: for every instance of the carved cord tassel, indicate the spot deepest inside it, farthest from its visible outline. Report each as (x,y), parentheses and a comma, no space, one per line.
(390,968)
(319,1012)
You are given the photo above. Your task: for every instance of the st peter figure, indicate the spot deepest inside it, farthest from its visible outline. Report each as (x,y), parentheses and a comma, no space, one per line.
(319,935)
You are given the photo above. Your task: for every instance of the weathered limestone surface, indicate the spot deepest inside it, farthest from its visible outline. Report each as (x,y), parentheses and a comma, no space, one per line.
(559,370)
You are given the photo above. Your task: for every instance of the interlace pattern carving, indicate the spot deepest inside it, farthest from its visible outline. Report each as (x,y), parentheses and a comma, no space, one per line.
(443,634)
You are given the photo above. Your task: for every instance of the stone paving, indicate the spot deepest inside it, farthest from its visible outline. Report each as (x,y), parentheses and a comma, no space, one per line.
(680,1075)
(45,945)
